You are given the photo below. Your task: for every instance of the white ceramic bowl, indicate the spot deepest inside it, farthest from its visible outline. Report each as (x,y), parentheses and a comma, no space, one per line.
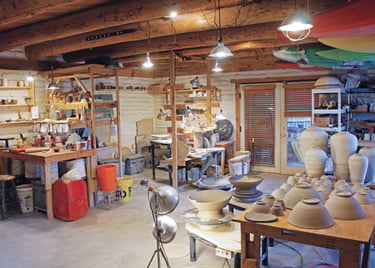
(343,206)
(310,213)
(210,203)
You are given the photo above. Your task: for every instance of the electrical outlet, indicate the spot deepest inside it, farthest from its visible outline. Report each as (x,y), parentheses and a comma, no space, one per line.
(224,253)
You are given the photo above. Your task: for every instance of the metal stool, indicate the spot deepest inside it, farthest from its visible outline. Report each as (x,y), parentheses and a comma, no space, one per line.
(3,180)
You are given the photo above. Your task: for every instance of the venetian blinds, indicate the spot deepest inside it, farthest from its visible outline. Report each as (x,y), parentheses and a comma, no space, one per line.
(259,122)
(297,101)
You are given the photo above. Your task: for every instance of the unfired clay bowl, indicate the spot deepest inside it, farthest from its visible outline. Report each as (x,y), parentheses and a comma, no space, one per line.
(246,184)
(343,206)
(298,192)
(210,203)
(362,197)
(310,213)
(260,207)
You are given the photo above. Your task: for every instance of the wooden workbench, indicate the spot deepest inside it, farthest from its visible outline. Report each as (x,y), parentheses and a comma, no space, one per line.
(344,236)
(46,158)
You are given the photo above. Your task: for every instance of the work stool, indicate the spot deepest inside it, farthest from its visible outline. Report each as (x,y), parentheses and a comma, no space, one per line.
(181,163)
(4,179)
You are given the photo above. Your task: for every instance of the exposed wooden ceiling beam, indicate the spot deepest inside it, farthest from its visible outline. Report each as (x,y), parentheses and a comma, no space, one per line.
(111,15)
(200,20)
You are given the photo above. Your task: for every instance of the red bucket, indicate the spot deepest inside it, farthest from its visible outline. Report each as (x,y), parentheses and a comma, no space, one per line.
(106,177)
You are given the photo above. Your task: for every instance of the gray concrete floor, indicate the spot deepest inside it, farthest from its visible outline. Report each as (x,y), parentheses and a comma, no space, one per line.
(121,237)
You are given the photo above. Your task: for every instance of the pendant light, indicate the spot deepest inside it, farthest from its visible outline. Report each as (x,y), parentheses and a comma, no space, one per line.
(52,84)
(148,63)
(29,76)
(297,26)
(220,51)
(220,116)
(217,67)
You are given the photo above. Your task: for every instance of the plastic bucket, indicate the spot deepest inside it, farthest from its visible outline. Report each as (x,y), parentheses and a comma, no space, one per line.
(125,186)
(25,196)
(106,177)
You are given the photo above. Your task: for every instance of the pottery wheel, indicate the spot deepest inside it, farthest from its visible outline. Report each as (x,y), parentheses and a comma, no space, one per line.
(213,183)
(191,216)
(245,198)
(260,217)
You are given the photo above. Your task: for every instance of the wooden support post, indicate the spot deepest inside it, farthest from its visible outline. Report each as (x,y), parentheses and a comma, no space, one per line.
(238,117)
(172,82)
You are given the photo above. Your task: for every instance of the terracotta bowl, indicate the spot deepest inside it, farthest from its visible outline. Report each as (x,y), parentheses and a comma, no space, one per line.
(260,207)
(210,203)
(343,206)
(300,191)
(246,184)
(310,213)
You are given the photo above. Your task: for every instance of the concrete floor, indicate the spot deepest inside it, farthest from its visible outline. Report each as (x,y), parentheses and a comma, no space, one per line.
(121,237)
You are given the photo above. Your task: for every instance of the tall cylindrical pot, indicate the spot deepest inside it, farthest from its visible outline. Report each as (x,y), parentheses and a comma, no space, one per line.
(370,153)
(315,162)
(343,145)
(358,165)
(313,137)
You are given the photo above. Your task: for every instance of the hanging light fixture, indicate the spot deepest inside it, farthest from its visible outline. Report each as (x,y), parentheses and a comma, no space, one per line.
(297,26)
(148,63)
(29,76)
(52,84)
(220,51)
(217,67)
(220,115)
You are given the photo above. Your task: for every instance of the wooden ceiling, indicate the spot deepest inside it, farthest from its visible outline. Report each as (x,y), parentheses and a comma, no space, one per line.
(38,32)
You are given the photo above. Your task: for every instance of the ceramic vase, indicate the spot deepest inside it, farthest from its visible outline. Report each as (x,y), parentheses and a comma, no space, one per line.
(370,154)
(343,144)
(313,137)
(315,162)
(358,165)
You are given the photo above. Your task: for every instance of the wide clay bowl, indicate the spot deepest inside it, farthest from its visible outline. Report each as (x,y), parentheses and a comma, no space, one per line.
(362,197)
(260,207)
(210,203)
(246,184)
(310,213)
(298,192)
(343,206)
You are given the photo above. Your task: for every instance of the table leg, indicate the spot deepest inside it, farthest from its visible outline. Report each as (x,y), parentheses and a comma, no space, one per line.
(237,260)
(153,160)
(193,253)
(350,256)
(250,245)
(47,180)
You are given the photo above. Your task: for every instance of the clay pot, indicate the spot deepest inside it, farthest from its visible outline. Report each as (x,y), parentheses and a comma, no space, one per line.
(292,180)
(343,206)
(315,162)
(310,213)
(277,209)
(278,193)
(343,186)
(298,192)
(286,186)
(246,184)
(313,137)
(370,153)
(343,145)
(358,165)
(260,207)
(268,199)
(210,203)
(362,197)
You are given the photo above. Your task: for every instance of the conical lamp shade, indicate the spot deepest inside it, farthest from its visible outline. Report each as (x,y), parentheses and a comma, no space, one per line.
(166,227)
(164,200)
(220,51)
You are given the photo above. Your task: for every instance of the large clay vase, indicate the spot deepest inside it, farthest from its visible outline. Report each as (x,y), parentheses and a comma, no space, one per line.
(315,162)
(358,165)
(370,153)
(343,145)
(313,137)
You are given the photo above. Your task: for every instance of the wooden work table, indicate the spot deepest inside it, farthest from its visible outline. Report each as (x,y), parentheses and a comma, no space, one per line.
(46,158)
(344,236)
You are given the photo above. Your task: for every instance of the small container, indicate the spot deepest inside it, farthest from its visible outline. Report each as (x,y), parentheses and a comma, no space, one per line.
(77,146)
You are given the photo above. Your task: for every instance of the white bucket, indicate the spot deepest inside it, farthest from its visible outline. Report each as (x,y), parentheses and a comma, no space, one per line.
(25,196)
(32,170)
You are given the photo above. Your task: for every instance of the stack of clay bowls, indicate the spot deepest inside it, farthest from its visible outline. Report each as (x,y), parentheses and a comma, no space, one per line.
(300,191)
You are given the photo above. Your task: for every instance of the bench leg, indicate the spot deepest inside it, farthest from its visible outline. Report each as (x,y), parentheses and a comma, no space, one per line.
(237,260)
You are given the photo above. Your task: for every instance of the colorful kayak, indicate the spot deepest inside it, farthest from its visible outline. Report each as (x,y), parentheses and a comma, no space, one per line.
(296,66)
(352,19)
(308,55)
(361,43)
(345,55)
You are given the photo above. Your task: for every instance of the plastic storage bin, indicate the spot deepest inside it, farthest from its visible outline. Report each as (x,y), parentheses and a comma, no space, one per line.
(134,164)
(69,200)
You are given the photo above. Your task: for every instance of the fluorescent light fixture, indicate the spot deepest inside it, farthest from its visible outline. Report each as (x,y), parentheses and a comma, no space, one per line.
(148,63)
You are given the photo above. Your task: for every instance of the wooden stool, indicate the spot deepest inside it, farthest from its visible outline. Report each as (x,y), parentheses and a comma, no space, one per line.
(3,180)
